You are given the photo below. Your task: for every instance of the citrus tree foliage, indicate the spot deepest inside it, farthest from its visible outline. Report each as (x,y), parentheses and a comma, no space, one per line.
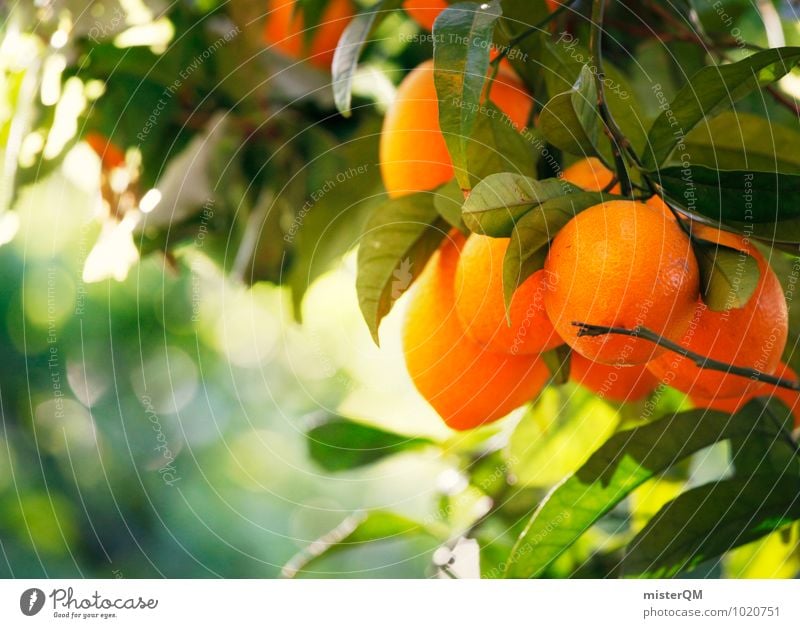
(214,135)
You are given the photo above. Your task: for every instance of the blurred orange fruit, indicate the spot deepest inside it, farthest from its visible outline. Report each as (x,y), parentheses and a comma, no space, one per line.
(424,12)
(467,384)
(284,30)
(111,156)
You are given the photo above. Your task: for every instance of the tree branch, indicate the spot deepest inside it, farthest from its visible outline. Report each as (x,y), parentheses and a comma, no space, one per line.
(585,329)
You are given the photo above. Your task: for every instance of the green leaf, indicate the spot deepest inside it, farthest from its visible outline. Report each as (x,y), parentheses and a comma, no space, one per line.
(351,44)
(710,90)
(448,200)
(398,240)
(709,520)
(496,146)
(741,141)
(531,236)
(311,13)
(339,444)
(497,202)
(333,209)
(462,37)
(621,464)
(733,195)
(551,441)
(354,532)
(561,62)
(570,120)
(728,277)
(558,362)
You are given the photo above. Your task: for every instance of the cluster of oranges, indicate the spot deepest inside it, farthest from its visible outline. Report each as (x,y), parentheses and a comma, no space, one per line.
(621,263)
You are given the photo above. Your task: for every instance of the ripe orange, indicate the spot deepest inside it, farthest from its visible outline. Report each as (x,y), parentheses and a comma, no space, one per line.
(111,155)
(617,383)
(284,30)
(590,174)
(424,12)
(790,398)
(753,336)
(481,307)
(413,153)
(467,384)
(622,264)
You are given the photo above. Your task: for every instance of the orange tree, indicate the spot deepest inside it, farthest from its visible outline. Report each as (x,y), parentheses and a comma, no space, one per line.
(631,229)
(592,205)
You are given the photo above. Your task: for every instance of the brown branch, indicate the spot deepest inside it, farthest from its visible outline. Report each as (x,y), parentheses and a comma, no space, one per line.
(586,329)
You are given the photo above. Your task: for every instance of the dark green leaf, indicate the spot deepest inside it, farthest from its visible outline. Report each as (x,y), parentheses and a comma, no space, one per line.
(339,444)
(707,521)
(354,532)
(351,44)
(558,361)
(561,63)
(710,90)
(497,202)
(448,200)
(733,195)
(398,239)
(462,37)
(569,120)
(496,146)
(624,462)
(531,236)
(728,277)
(310,13)
(741,141)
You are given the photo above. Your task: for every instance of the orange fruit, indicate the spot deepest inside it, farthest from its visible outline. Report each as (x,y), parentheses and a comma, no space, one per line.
(590,174)
(424,12)
(614,382)
(111,155)
(621,264)
(753,336)
(284,30)
(481,307)
(467,384)
(790,398)
(413,152)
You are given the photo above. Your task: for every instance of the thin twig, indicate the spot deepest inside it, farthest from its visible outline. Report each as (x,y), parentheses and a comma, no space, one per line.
(518,39)
(619,142)
(586,329)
